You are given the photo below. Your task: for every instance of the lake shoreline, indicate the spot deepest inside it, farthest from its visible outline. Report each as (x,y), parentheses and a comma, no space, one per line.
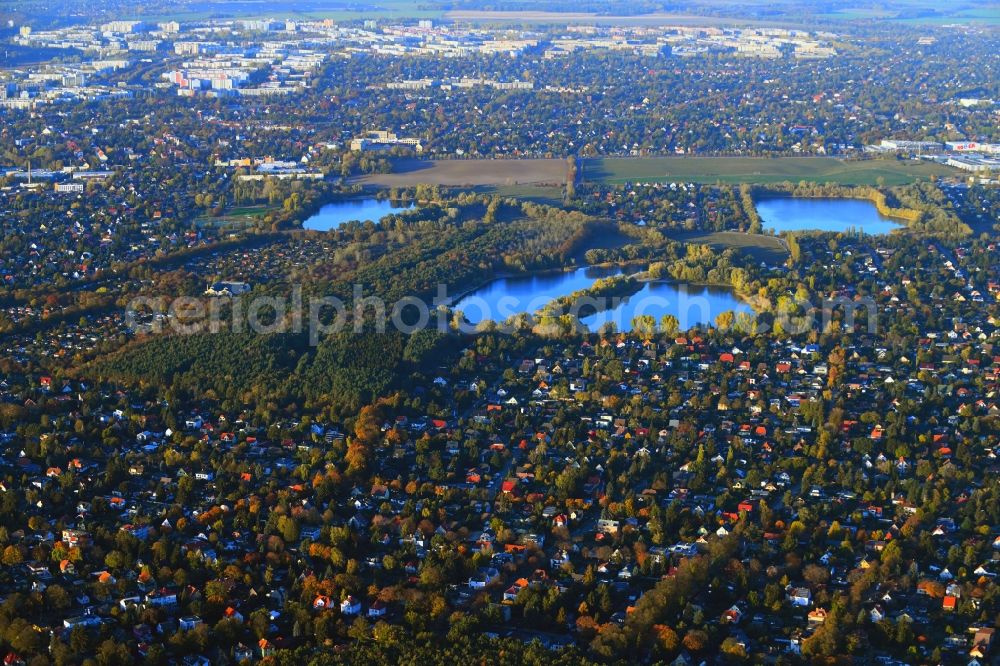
(641,278)
(381,208)
(783,213)
(830,197)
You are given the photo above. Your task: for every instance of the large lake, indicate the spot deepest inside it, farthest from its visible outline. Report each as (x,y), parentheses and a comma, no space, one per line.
(505,297)
(335,215)
(803,214)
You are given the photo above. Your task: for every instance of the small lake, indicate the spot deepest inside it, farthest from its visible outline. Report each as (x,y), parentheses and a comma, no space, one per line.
(335,215)
(505,297)
(691,304)
(803,214)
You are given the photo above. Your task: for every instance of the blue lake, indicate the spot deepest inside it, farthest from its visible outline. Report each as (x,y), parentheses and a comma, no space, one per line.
(335,215)
(505,297)
(691,304)
(802,214)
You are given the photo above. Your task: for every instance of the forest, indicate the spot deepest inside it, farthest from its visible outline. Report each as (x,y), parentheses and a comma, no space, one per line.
(280,373)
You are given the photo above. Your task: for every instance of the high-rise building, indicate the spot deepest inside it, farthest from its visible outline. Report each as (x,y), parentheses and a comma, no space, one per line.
(124,26)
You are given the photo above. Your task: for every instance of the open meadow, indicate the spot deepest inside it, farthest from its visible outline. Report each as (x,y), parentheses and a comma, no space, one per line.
(760,170)
(762,247)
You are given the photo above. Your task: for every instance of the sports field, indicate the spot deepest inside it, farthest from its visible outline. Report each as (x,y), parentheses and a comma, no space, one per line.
(239,217)
(760,170)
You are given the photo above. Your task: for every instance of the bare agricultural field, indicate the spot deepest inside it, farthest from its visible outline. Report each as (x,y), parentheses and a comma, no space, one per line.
(473,173)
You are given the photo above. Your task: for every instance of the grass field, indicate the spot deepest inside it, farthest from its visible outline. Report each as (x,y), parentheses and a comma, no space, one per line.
(761,247)
(782,13)
(956,19)
(858,14)
(779,13)
(198,10)
(549,195)
(590,18)
(760,170)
